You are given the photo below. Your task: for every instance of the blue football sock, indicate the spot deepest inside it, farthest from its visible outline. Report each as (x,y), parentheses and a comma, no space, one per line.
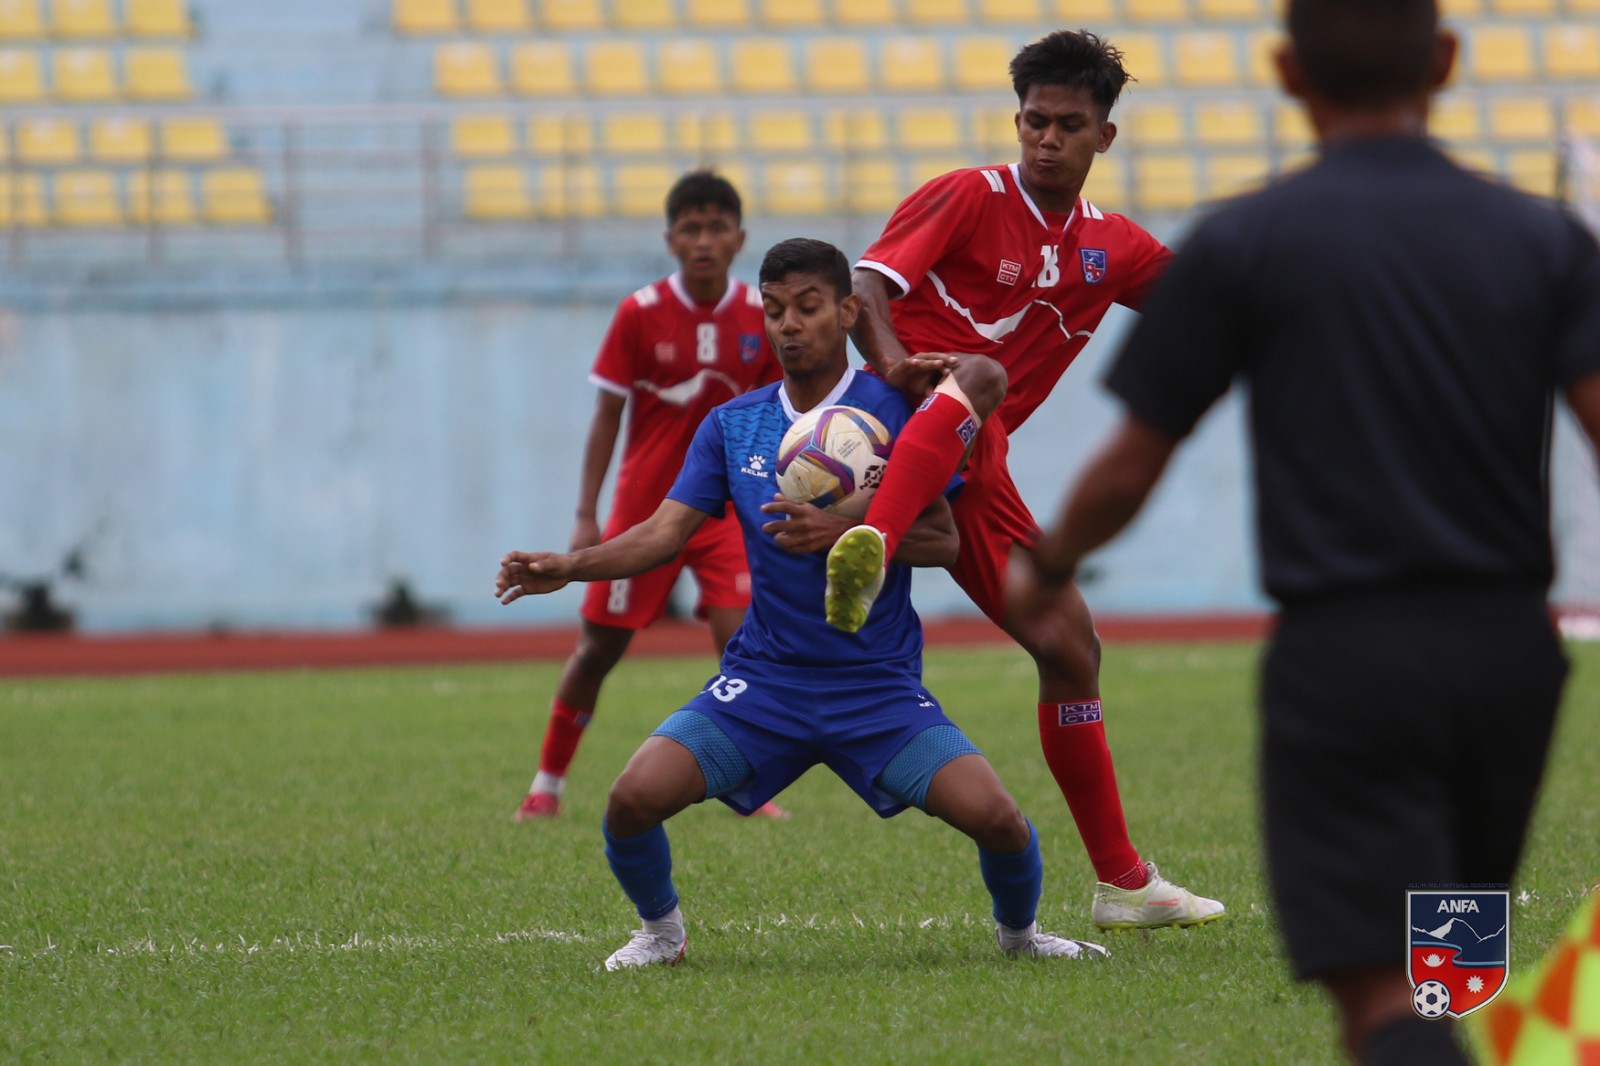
(1015,882)
(643,867)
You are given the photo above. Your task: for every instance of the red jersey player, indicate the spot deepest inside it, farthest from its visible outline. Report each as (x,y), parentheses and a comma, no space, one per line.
(1012,267)
(675,350)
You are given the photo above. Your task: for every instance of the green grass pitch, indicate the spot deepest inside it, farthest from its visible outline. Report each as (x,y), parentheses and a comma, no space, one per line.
(322,867)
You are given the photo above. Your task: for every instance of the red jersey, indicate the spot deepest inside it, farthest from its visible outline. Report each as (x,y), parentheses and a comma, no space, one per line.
(674,360)
(982,269)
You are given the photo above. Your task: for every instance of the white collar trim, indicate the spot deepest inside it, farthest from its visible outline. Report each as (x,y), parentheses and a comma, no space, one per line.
(1016,180)
(832,398)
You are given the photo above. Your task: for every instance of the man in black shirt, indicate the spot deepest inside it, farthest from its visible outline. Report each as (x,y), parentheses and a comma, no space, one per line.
(1403,326)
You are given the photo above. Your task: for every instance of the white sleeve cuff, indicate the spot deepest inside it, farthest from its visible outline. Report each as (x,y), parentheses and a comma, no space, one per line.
(887,271)
(607,385)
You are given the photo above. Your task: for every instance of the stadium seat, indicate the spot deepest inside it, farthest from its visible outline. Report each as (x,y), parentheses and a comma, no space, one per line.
(1086,13)
(1141,56)
(705,133)
(762,65)
(568,15)
(1522,118)
(935,12)
(870,186)
(119,140)
(1165,182)
(19,76)
(1248,11)
(1173,11)
(47,141)
(926,129)
(1260,52)
(1228,122)
(926,168)
(1477,160)
(1009,12)
(1572,52)
(794,188)
(982,63)
(1107,184)
(1154,125)
(717,14)
(910,64)
(1500,53)
(156,74)
(859,129)
(793,14)
(1533,171)
(688,67)
(496,193)
(638,190)
(571,192)
(193,139)
(1457,9)
(836,65)
(644,14)
(1583,7)
(164,197)
(560,135)
(616,68)
(234,196)
(633,133)
(996,130)
(465,68)
(864,12)
(542,68)
(22,200)
(84,75)
(1205,59)
(420,17)
(1231,173)
(779,131)
(157,18)
(82,18)
(19,20)
(498,16)
(1290,127)
(483,136)
(1583,116)
(86,198)
(1524,8)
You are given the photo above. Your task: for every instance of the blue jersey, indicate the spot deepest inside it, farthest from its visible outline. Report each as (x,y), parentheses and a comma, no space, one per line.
(732,458)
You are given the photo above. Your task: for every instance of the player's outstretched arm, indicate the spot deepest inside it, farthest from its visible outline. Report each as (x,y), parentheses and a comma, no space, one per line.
(874,329)
(644,547)
(801,528)
(604,426)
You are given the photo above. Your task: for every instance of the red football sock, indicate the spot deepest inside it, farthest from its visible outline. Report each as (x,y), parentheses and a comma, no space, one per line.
(926,453)
(561,738)
(1074,741)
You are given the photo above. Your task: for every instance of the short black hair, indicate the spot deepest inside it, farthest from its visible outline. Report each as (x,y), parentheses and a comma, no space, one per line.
(1080,60)
(703,188)
(802,255)
(1365,53)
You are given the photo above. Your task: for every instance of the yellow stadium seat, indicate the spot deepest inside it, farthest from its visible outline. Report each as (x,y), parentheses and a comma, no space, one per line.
(1155,125)
(571,192)
(925,129)
(793,14)
(1076,13)
(1572,52)
(234,196)
(1026,12)
(982,63)
(1583,117)
(496,194)
(482,136)
(163,197)
(639,190)
(86,198)
(19,76)
(193,139)
(924,169)
(156,74)
(616,68)
(836,65)
(22,200)
(119,140)
(1174,11)
(1165,182)
(910,64)
(1231,173)
(465,68)
(1533,171)
(82,18)
(1141,57)
(1583,7)
(795,188)
(1460,8)
(762,65)
(498,16)
(1231,10)
(1205,59)
(19,19)
(870,186)
(560,135)
(1260,50)
(542,68)
(705,133)
(1290,126)
(996,129)
(1522,8)
(860,129)
(1500,53)
(633,133)
(644,14)
(717,14)
(780,131)
(47,141)
(568,15)
(1522,118)
(1107,184)
(1477,160)
(935,12)
(864,12)
(1229,122)
(688,67)
(157,18)
(84,75)
(423,16)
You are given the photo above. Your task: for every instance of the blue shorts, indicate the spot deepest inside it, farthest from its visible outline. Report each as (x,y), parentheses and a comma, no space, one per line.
(754,735)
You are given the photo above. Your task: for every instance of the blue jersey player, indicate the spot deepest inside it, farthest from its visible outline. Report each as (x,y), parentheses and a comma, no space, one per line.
(794,691)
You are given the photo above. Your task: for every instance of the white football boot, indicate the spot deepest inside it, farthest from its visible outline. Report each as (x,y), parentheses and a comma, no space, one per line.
(659,943)
(1029,943)
(855,577)
(1157,905)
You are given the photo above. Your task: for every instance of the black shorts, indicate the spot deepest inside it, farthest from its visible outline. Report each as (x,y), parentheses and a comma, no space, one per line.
(1404,737)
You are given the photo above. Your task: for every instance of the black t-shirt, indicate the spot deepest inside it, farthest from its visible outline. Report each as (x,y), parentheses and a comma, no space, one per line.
(1402,325)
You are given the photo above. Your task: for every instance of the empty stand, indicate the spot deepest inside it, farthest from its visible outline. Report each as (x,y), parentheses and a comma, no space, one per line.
(864,13)
(717,14)
(630,133)
(234,196)
(1500,53)
(784,131)
(161,197)
(86,198)
(1166,181)
(22,200)
(930,129)
(1228,123)
(616,68)
(538,68)
(837,65)
(571,192)
(496,193)
(483,136)
(710,133)
(795,188)
(689,67)
(793,14)
(982,64)
(47,141)
(1522,118)
(193,139)
(871,186)
(644,14)
(639,190)
(935,12)
(1020,12)
(82,18)
(762,65)
(84,75)
(911,64)
(120,140)
(571,15)
(1206,59)
(498,16)
(1572,52)
(19,19)
(424,16)
(157,18)
(465,68)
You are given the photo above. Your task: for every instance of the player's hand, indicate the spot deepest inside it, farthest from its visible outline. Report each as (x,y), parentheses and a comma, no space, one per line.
(1041,612)
(802,528)
(919,374)
(531,574)
(585,534)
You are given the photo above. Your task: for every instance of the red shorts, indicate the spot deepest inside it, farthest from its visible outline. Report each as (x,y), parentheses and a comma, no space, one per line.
(990,517)
(715,554)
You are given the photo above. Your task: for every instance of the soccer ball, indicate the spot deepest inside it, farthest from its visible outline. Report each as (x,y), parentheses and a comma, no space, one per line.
(1430,999)
(833,457)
